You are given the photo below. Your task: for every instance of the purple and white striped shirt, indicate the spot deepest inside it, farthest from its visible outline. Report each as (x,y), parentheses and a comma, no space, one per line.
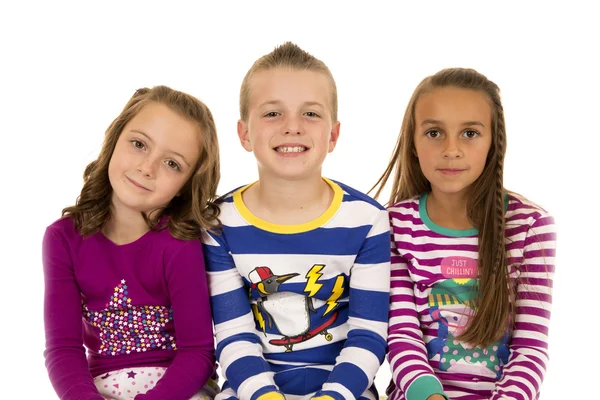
(434,275)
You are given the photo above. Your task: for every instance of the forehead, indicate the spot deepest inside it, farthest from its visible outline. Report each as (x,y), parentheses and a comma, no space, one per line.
(454,104)
(289,85)
(167,129)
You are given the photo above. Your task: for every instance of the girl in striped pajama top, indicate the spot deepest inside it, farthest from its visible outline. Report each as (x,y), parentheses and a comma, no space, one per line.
(472,265)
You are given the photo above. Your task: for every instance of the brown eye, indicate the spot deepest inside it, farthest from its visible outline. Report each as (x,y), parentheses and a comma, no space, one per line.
(137,144)
(433,133)
(470,134)
(173,165)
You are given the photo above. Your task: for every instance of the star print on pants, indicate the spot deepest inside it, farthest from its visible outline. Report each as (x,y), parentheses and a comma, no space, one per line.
(131,374)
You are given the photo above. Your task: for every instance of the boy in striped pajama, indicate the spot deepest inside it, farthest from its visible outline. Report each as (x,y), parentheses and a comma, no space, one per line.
(299,275)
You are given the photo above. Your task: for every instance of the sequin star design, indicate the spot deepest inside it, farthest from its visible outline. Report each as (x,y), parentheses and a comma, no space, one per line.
(125,328)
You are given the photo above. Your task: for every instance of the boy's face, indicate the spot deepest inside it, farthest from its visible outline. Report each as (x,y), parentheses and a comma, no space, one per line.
(289,126)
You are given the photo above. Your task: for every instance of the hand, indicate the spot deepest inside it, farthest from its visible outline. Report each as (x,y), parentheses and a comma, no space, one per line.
(271,396)
(436,397)
(324,397)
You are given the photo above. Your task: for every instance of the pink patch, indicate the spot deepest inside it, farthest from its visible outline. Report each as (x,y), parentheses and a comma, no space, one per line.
(492,358)
(475,354)
(468,358)
(159,374)
(446,348)
(133,383)
(455,352)
(459,267)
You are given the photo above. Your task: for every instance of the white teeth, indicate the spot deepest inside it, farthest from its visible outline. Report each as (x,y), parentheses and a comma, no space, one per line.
(295,149)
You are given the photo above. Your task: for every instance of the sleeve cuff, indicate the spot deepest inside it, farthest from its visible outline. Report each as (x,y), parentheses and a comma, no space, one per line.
(423,387)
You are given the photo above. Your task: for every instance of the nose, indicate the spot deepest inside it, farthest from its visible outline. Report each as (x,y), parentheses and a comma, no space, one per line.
(147,167)
(293,125)
(453,149)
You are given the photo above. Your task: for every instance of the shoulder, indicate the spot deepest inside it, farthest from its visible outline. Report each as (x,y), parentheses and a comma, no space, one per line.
(350,194)
(522,211)
(408,207)
(63,229)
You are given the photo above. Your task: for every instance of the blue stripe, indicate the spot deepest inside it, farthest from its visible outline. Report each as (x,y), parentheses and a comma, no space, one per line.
(369,305)
(323,241)
(216,257)
(301,381)
(350,376)
(375,250)
(325,354)
(229,305)
(368,340)
(245,337)
(264,390)
(243,368)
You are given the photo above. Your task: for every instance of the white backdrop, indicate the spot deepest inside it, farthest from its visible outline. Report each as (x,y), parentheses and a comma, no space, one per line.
(67,69)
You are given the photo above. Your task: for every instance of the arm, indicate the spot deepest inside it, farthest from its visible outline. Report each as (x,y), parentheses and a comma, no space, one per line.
(365,347)
(239,350)
(407,356)
(65,355)
(526,367)
(194,359)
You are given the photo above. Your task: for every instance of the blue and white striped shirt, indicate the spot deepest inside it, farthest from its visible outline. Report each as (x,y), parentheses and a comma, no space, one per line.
(301,308)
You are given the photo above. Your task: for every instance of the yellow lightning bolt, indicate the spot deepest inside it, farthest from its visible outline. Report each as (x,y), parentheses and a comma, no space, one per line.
(338,289)
(312,276)
(258,316)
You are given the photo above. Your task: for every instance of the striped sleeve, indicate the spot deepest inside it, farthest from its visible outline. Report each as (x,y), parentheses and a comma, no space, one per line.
(407,354)
(526,367)
(365,347)
(239,349)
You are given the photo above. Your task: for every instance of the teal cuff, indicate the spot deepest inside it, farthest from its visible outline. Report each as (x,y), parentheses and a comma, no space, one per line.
(423,387)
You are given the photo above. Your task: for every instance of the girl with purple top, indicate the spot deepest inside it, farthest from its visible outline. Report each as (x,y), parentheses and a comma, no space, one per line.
(124,270)
(472,264)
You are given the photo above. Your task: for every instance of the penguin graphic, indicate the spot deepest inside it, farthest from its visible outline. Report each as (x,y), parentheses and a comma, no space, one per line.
(289,312)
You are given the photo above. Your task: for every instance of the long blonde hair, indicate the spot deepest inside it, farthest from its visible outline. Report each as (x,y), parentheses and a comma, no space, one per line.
(189,212)
(485,204)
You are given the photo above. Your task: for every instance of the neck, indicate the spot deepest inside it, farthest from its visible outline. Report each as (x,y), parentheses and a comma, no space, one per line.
(124,226)
(286,202)
(448,210)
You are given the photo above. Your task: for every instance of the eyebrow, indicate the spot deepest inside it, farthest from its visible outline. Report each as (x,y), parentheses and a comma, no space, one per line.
(278,102)
(437,122)
(151,141)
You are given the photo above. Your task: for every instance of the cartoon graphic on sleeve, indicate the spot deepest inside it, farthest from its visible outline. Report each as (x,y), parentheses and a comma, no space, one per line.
(289,312)
(126,329)
(451,306)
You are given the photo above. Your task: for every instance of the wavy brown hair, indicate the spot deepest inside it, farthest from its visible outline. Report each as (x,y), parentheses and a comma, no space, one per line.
(287,55)
(485,204)
(187,213)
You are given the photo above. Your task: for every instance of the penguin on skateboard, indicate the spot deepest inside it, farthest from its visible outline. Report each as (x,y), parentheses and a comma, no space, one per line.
(289,312)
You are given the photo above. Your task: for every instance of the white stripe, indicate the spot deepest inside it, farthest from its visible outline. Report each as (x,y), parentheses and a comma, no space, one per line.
(235,326)
(254,383)
(363,359)
(381,224)
(207,239)
(352,214)
(225,394)
(230,217)
(336,387)
(373,277)
(221,282)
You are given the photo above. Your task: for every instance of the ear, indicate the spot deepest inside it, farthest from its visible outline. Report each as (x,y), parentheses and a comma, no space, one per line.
(242,128)
(334,136)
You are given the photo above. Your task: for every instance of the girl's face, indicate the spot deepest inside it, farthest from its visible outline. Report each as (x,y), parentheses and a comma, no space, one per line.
(154,157)
(453,135)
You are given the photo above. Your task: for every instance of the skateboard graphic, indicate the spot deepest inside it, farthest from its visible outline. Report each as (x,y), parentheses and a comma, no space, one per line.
(290,341)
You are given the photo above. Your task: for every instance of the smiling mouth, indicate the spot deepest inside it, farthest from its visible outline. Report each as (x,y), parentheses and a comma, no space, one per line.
(134,183)
(290,149)
(450,171)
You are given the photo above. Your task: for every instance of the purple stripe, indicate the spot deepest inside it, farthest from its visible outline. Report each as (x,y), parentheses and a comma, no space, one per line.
(410,205)
(405,218)
(531,327)
(526,342)
(534,296)
(535,311)
(540,253)
(542,237)
(527,280)
(436,246)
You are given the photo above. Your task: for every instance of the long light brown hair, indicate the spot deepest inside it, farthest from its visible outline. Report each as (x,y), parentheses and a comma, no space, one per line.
(187,213)
(287,55)
(485,204)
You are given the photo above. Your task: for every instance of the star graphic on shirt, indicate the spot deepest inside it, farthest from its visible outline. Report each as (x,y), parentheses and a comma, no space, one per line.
(131,374)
